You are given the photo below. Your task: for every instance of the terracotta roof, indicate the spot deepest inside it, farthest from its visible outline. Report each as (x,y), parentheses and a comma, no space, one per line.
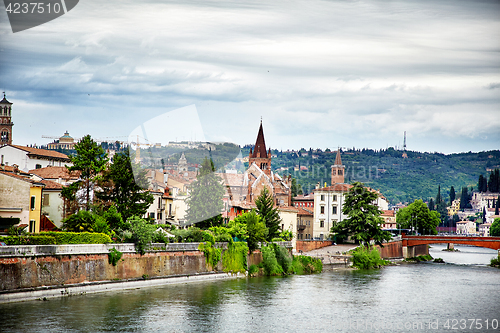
(50,185)
(301,197)
(336,188)
(288,208)
(304,211)
(23,178)
(388,212)
(55,172)
(42,152)
(231,179)
(338,161)
(260,144)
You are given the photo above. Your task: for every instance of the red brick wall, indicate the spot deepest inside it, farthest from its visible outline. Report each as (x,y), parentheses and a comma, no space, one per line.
(391,250)
(306,246)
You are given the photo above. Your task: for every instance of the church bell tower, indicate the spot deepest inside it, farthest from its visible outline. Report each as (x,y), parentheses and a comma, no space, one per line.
(338,170)
(5,122)
(260,156)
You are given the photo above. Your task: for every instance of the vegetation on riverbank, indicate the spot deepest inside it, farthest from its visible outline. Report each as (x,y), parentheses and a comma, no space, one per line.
(365,257)
(426,257)
(495,262)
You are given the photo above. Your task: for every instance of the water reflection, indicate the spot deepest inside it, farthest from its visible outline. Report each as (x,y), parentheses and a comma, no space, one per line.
(328,302)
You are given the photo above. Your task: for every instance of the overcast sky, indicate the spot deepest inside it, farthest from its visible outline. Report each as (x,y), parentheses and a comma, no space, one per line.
(321,74)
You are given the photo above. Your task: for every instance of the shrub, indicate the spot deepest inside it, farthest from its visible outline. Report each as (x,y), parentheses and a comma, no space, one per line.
(253,269)
(77,237)
(212,254)
(495,262)
(235,257)
(114,256)
(306,265)
(29,240)
(142,233)
(284,258)
(367,258)
(269,261)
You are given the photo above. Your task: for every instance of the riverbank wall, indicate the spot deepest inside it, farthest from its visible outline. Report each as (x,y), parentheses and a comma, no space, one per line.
(28,268)
(309,245)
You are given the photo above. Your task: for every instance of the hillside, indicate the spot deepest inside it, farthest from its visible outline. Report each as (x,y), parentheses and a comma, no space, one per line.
(399,179)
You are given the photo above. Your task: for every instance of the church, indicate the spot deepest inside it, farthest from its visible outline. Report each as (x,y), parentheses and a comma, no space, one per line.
(243,189)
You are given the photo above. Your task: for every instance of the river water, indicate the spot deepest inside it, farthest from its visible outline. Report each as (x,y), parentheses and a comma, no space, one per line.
(460,296)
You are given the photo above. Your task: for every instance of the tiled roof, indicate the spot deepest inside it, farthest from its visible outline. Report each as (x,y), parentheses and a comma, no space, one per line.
(50,185)
(288,209)
(336,188)
(301,197)
(304,211)
(4,100)
(231,179)
(260,144)
(42,152)
(338,161)
(388,212)
(20,177)
(55,172)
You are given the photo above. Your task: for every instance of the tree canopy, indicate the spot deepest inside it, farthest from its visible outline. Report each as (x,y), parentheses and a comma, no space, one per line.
(205,203)
(268,213)
(90,160)
(118,186)
(418,216)
(364,221)
(495,228)
(257,230)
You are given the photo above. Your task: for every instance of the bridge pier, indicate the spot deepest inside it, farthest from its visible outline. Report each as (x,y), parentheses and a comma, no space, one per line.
(451,247)
(415,251)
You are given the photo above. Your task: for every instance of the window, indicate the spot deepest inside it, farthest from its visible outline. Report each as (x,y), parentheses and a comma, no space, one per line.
(340,172)
(334,210)
(152,215)
(322,210)
(46,198)
(334,197)
(32,225)
(33,202)
(322,197)
(38,166)
(322,223)
(333,172)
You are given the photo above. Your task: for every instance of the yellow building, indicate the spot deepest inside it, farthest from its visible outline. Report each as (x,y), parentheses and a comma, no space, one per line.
(20,199)
(454,207)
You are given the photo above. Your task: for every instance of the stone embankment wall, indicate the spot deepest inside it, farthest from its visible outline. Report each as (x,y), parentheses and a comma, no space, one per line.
(391,250)
(33,266)
(44,265)
(306,246)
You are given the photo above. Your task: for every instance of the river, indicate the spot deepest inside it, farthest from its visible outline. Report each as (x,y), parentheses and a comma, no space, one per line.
(424,297)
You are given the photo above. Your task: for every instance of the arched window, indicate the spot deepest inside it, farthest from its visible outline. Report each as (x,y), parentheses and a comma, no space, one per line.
(5,136)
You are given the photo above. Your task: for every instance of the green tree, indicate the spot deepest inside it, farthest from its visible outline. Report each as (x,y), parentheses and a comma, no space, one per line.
(497,205)
(431,204)
(452,194)
(119,187)
(418,216)
(482,184)
(205,198)
(90,160)
(256,229)
(268,213)
(495,227)
(364,221)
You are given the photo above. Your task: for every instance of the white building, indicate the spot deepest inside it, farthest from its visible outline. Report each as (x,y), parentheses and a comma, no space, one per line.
(484,229)
(328,201)
(28,158)
(466,228)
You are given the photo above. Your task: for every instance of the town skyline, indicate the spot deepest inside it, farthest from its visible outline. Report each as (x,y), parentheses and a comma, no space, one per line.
(320,74)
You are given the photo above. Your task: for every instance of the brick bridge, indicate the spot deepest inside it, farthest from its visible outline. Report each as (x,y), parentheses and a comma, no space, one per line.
(412,241)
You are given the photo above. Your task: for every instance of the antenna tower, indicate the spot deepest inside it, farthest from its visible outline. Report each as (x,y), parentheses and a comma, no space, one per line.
(404,147)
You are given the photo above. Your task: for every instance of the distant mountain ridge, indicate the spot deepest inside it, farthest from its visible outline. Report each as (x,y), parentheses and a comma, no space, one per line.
(399,179)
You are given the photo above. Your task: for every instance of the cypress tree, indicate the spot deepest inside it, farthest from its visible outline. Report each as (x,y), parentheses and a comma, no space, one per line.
(452,194)
(431,204)
(496,206)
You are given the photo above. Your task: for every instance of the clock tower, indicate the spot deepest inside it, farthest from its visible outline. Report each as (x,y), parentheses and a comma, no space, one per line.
(5,122)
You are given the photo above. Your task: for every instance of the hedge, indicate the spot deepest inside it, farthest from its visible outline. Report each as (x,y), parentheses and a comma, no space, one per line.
(78,237)
(29,240)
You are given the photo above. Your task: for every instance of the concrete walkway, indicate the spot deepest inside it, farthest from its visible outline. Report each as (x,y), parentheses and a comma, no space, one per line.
(332,255)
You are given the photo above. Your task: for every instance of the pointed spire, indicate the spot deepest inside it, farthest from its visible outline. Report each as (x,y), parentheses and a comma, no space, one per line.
(338,161)
(260,144)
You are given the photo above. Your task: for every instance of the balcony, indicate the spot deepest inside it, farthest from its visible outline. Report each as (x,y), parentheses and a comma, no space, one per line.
(301,227)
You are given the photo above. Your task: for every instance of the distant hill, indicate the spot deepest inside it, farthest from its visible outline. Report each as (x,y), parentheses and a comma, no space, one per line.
(399,179)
